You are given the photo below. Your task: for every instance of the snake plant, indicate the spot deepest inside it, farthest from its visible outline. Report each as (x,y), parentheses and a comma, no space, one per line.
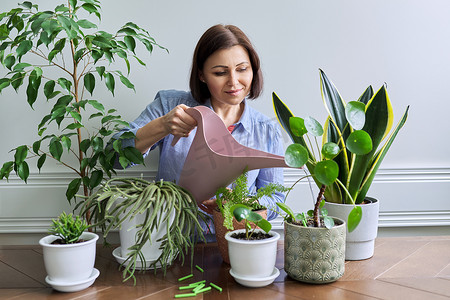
(121,199)
(355,139)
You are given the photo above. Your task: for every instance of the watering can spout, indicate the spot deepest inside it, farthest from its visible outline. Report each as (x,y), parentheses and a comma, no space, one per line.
(222,158)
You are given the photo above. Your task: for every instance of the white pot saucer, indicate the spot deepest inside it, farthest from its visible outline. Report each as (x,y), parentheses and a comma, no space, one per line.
(73,286)
(139,265)
(255,282)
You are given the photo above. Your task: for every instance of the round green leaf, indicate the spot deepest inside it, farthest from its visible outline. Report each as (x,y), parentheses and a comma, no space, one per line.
(329,222)
(355,112)
(296,155)
(313,126)
(240,212)
(330,150)
(89,82)
(359,142)
(97,144)
(297,126)
(354,217)
(326,171)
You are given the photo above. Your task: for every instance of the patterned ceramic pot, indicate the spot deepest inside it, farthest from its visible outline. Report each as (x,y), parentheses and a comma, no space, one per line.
(314,255)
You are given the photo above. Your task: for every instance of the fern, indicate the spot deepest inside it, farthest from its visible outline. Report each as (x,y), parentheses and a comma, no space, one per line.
(226,198)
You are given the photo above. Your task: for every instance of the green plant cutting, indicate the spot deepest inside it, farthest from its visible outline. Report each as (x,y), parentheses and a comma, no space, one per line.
(63,55)
(355,139)
(67,228)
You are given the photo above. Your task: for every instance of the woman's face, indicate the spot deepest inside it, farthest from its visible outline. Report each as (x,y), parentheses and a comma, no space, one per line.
(228,74)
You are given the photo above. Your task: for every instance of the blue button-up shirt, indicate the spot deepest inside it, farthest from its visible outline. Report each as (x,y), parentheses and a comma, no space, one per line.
(253,130)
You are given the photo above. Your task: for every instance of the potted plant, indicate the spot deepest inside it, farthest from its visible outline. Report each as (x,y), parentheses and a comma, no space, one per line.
(356,130)
(252,251)
(158,221)
(64,56)
(69,254)
(226,198)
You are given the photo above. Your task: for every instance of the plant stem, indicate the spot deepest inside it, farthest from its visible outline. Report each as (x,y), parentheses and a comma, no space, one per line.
(317,205)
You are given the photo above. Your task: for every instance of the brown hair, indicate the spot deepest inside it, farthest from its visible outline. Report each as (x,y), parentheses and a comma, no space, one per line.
(222,37)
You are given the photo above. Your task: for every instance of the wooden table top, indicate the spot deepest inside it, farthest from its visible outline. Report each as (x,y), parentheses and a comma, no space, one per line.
(402,268)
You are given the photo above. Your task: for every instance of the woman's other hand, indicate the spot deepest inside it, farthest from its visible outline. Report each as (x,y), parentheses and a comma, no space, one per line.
(179,123)
(208,206)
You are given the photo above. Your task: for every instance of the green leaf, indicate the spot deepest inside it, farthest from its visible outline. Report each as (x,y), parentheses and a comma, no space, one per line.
(31,91)
(355,112)
(126,82)
(296,155)
(21,66)
(264,224)
(297,126)
(64,83)
(97,105)
(17,80)
(41,161)
(56,149)
(73,126)
(4,82)
(85,144)
(6,169)
(110,83)
(313,126)
(26,4)
(100,71)
(130,42)
(95,179)
(101,42)
(326,171)
(133,155)
(66,142)
(24,47)
(359,142)
(97,144)
(23,170)
(354,217)
(86,24)
(72,188)
(21,154)
(89,82)
(286,209)
(240,212)
(330,150)
(91,9)
(329,222)
(124,162)
(76,116)
(9,61)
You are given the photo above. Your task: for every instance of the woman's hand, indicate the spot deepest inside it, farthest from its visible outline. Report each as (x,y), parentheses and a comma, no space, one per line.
(178,122)
(208,206)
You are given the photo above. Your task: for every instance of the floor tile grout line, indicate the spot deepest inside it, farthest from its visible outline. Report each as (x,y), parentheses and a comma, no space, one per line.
(44,285)
(386,280)
(378,276)
(448,265)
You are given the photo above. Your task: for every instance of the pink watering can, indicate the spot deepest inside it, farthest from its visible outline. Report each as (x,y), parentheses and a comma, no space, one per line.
(215,158)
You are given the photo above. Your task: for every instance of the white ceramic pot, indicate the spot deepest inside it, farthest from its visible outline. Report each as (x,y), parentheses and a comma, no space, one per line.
(252,259)
(360,243)
(128,237)
(72,262)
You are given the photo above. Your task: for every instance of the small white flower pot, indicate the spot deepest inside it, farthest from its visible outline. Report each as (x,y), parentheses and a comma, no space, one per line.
(72,262)
(252,259)
(360,243)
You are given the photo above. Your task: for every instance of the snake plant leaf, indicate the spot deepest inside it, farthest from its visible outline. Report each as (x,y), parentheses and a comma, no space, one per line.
(367,95)
(355,114)
(359,142)
(379,117)
(330,150)
(333,101)
(326,171)
(297,126)
(354,217)
(313,126)
(296,155)
(379,158)
(283,114)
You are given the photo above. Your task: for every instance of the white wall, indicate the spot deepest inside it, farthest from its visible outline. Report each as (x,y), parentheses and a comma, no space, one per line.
(357,43)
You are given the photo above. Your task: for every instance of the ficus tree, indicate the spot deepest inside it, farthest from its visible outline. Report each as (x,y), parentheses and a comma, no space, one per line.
(59,56)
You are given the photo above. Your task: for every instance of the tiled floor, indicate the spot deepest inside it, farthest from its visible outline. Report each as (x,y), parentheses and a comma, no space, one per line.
(402,268)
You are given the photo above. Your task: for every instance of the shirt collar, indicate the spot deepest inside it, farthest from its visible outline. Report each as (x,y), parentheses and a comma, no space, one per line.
(245,119)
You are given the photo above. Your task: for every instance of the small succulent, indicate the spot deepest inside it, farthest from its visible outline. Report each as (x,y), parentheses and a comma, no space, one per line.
(68,228)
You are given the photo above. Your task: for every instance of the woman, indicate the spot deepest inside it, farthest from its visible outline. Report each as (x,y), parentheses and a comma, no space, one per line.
(225,72)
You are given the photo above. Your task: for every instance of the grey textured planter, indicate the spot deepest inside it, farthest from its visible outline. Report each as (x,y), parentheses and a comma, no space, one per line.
(314,255)
(360,243)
